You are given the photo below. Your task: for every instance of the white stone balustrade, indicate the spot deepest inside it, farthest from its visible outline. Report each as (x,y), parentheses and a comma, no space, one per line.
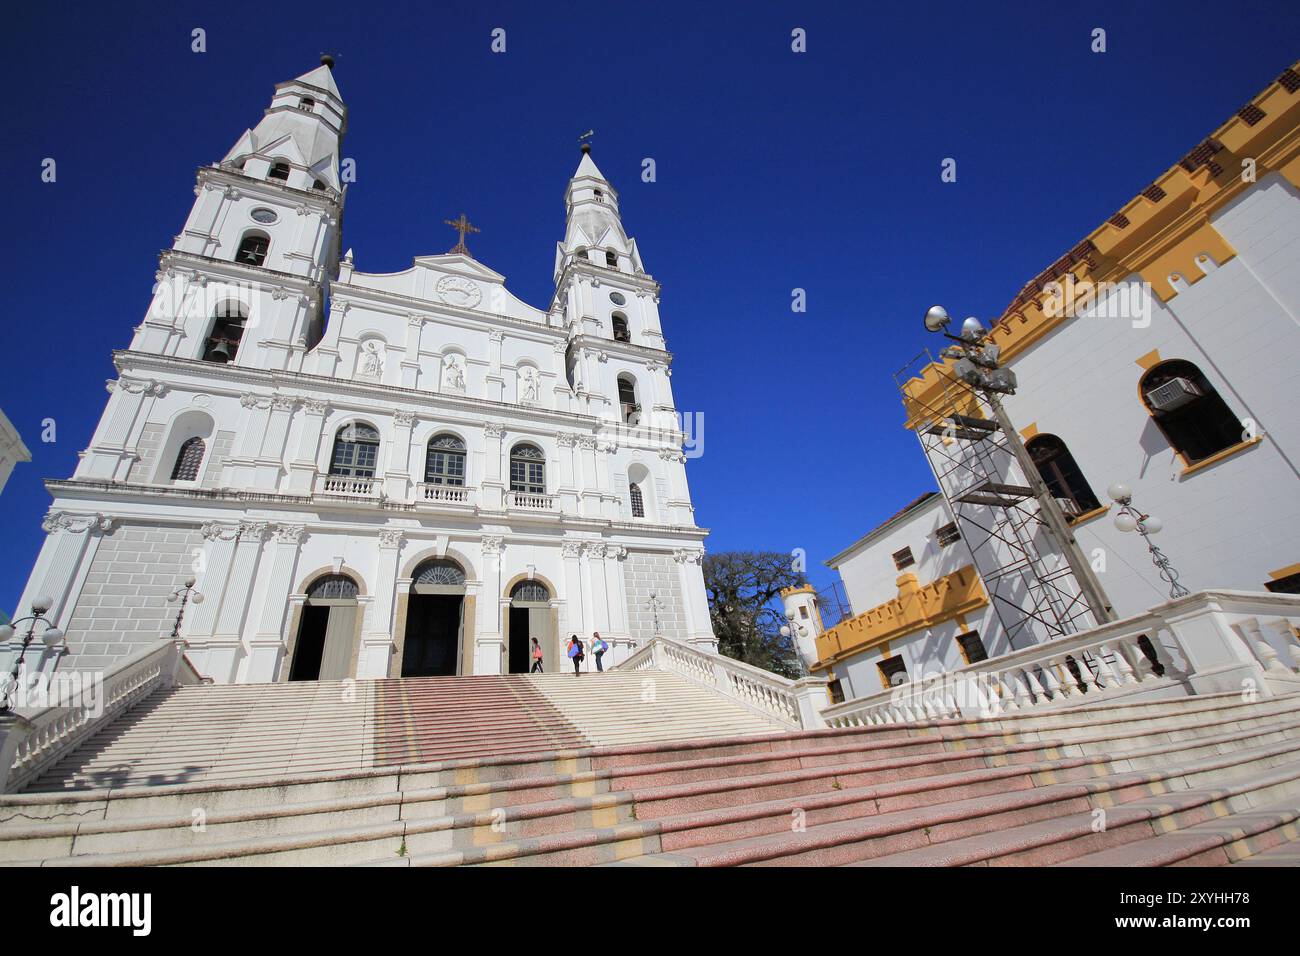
(1211,633)
(347,486)
(526,501)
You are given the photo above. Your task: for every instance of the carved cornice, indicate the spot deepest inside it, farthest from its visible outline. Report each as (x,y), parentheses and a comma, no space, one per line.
(219,531)
(75,523)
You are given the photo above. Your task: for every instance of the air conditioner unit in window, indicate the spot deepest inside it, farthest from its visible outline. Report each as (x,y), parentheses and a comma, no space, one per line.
(1175,393)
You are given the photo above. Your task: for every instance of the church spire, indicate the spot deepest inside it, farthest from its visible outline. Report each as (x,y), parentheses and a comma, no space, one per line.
(303,128)
(594,229)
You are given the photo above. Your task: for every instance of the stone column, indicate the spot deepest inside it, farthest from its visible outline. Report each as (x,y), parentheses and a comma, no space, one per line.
(377,645)
(397,475)
(302,469)
(270,458)
(562,394)
(495,377)
(615,595)
(489,642)
(589,484)
(267,645)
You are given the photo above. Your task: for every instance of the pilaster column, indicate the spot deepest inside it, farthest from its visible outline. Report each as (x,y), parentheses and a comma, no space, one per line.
(109,458)
(377,636)
(218,554)
(302,470)
(270,459)
(574,603)
(267,645)
(397,474)
(615,595)
(411,360)
(563,399)
(695,601)
(589,483)
(492,488)
(489,643)
(225,648)
(66,555)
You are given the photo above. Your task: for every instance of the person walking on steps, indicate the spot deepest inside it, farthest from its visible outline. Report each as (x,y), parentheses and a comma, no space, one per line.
(575,654)
(537,657)
(598,647)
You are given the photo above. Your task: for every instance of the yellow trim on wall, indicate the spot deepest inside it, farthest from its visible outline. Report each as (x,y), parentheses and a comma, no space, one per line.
(1218,456)
(1088,516)
(1029,431)
(1286,572)
(1149,361)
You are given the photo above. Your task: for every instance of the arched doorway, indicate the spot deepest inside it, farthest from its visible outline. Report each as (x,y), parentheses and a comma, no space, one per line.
(435,620)
(530,616)
(323,649)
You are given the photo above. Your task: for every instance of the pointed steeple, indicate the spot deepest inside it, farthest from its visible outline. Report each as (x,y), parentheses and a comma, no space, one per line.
(594,229)
(303,127)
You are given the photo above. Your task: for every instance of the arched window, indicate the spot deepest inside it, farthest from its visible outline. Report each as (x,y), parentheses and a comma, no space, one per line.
(356,449)
(444,462)
(627,399)
(319,185)
(438,572)
(600,196)
(1195,421)
(528,469)
(534,591)
(188,460)
(611,258)
(1062,474)
(227,331)
(619,321)
(307,103)
(279,171)
(252,249)
(638,502)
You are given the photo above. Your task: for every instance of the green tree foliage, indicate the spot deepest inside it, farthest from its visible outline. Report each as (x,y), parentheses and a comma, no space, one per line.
(740,585)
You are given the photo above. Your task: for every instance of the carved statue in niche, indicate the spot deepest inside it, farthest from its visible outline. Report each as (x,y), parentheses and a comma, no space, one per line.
(529,384)
(453,374)
(370,361)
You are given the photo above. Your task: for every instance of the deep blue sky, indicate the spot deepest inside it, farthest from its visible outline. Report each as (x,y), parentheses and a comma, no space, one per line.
(775,171)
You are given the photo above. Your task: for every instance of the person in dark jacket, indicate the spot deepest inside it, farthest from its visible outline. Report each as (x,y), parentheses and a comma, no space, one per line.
(576,654)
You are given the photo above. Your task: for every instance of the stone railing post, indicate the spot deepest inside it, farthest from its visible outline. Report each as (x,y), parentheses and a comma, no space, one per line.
(1219,659)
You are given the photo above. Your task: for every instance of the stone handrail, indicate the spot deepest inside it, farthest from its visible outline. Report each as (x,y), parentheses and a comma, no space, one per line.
(32,739)
(796,704)
(1220,641)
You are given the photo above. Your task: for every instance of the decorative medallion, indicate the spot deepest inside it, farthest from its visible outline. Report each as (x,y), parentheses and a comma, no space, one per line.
(459,291)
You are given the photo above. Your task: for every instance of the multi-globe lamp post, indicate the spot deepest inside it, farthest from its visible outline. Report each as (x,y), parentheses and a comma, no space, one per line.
(51,637)
(976,363)
(184,595)
(792,630)
(1129,519)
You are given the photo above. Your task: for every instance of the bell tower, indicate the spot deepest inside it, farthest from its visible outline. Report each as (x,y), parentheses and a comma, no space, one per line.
(244,281)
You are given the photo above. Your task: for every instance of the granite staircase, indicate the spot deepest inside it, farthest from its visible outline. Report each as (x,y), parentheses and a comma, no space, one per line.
(648,769)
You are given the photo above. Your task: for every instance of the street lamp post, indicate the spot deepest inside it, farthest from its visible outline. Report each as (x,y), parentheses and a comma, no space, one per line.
(792,629)
(977,365)
(1131,519)
(183,594)
(51,637)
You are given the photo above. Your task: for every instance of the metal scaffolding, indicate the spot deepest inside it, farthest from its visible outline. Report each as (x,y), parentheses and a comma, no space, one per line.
(1032,588)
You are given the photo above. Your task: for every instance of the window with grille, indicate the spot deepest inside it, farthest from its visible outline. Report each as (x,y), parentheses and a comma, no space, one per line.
(444,462)
(904,559)
(638,502)
(892,671)
(533,591)
(252,249)
(972,647)
(333,587)
(528,470)
(188,460)
(948,534)
(356,449)
(440,571)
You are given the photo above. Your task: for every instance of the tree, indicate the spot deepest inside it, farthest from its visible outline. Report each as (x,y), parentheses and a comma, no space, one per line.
(740,585)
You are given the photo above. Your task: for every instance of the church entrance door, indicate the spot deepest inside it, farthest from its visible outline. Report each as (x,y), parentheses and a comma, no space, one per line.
(323,650)
(435,621)
(530,616)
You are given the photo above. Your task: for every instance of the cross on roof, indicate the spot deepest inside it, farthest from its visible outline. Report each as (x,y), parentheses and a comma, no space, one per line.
(462,226)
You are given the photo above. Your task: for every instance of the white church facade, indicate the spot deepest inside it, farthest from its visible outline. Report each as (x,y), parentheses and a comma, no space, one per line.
(376,475)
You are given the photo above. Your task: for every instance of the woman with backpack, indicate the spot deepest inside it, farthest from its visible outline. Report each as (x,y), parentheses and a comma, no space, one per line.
(575,653)
(537,657)
(598,647)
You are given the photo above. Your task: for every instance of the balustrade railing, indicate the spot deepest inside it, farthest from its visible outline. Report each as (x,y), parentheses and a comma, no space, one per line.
(792,703)
(347,485)
(442,494)
(529,501)
(80,703)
